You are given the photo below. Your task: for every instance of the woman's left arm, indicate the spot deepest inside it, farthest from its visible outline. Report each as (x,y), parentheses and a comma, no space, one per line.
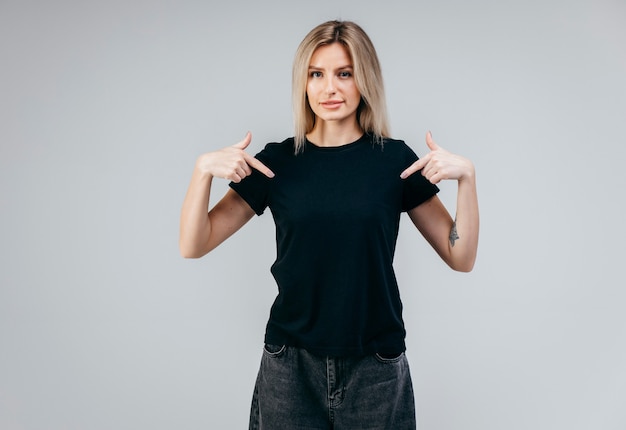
(456,241)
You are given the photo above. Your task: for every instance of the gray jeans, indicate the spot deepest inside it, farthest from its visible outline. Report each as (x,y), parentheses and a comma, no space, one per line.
(296,390)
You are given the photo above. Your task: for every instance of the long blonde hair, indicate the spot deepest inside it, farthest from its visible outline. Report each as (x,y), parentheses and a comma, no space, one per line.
(372,111)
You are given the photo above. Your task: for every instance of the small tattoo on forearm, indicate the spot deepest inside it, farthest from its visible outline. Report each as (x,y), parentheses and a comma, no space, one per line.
(453,234)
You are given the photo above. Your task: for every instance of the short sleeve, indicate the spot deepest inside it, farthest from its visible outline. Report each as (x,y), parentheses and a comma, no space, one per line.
(254,189)
(416,188)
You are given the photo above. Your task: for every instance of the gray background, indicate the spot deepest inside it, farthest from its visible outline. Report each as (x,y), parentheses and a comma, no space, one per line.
(105,107)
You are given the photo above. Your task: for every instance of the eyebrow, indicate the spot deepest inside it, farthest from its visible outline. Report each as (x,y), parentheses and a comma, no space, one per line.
(338,68)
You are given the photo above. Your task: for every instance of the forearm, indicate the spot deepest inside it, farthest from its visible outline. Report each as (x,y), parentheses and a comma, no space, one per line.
(463,240)
(195,225)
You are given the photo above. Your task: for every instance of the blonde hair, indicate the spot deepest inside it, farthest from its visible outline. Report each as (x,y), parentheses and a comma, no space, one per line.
(372,111)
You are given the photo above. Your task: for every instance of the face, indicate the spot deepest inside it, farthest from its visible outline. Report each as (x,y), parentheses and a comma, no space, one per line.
(331,90)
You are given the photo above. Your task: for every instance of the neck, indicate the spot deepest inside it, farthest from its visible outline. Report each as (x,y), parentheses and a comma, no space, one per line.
(331,133)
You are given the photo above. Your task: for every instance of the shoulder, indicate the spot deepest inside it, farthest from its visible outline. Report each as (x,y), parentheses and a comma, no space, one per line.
(275,150)
(286,146)
(395,144)
(397,148)
(393,141)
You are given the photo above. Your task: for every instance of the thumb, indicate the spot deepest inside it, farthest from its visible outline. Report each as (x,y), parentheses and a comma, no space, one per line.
(430,142)
(245,142)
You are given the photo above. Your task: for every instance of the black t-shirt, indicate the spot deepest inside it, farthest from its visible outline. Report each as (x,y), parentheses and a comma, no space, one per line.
(337,212)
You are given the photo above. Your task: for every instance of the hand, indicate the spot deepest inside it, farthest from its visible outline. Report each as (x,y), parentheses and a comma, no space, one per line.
(440,164)
(232,162)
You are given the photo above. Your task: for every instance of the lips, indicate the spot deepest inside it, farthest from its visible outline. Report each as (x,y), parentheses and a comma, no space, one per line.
(330,104)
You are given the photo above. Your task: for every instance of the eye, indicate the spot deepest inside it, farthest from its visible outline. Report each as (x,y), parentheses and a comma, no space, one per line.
(345,74)
(316,74)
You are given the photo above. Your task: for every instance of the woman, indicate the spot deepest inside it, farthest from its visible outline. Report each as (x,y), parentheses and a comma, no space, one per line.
(334,343)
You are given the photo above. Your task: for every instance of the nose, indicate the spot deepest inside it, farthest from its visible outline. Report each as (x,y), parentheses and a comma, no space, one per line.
(330,85)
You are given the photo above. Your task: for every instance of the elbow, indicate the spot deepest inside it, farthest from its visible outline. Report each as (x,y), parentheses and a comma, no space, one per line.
(464,266)
(189,255)
(185,253)
(189,252)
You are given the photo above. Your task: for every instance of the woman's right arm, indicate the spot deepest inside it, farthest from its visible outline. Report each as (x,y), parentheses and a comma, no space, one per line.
(202,231)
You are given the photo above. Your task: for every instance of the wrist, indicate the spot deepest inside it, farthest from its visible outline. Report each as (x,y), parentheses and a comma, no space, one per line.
(469,173)
(203,166)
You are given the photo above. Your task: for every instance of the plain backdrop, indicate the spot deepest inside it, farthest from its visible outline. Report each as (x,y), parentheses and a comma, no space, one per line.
(105,106)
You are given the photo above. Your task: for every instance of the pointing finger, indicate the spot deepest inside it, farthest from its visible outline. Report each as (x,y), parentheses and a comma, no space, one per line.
(418,165)
(408,172)
(254,162)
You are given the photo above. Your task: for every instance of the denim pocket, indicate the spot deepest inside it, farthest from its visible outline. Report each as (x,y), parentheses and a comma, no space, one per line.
(388,358)
(274,350)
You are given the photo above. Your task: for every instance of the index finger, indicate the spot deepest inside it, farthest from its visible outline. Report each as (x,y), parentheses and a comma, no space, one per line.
(416,166)
(254,162)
